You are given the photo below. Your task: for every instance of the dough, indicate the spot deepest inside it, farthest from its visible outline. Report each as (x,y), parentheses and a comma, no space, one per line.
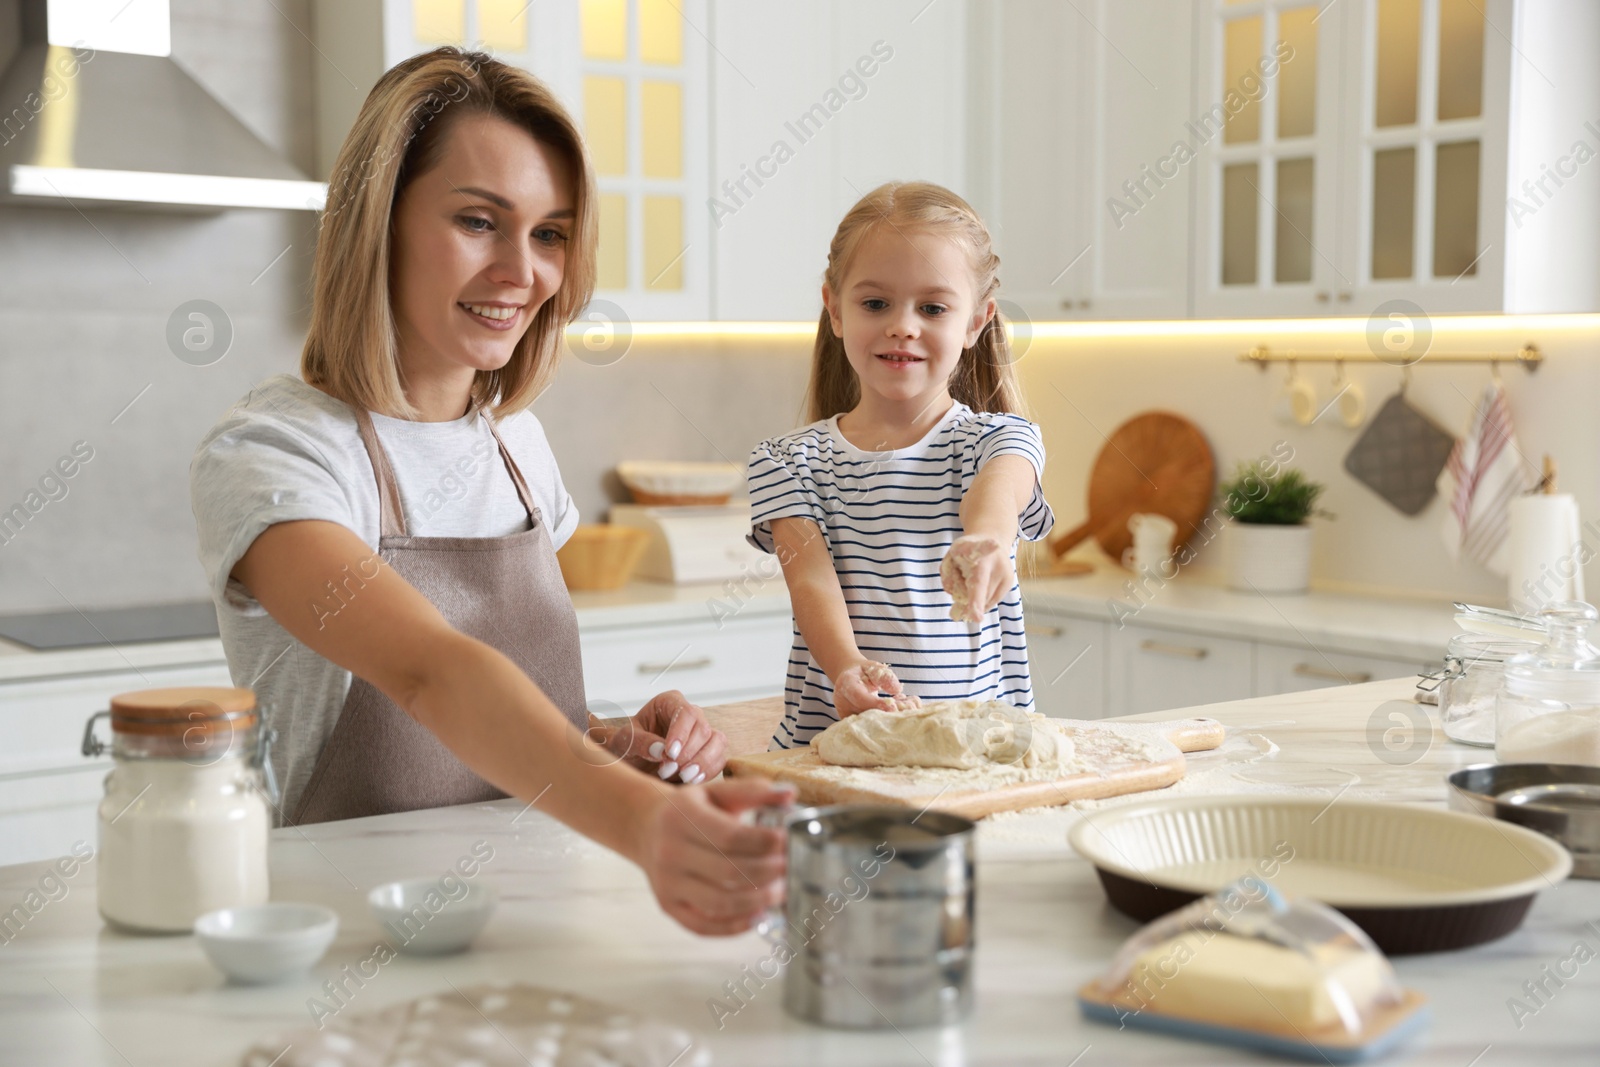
(962,734)
(956,575)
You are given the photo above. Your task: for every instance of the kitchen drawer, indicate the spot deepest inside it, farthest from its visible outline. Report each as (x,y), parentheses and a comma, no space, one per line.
(1155,669)
(1290,669)
(1067,662)
(740,659)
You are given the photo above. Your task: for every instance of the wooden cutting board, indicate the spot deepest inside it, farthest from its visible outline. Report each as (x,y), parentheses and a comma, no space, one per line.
(1156,462)
(954,790)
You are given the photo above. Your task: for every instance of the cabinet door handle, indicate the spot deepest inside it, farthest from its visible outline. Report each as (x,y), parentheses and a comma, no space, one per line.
(1306,670)
(675,665)
(1322,297)
(1043,631)
(1345,297)
(1164,649)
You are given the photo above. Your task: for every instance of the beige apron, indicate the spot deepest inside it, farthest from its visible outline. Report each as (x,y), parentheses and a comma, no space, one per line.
(505,591)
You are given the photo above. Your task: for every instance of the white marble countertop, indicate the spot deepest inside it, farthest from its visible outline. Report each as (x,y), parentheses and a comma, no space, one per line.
(575,916)
(1398,628)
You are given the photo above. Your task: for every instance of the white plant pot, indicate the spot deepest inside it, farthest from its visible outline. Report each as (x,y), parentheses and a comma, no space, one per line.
(1269,559)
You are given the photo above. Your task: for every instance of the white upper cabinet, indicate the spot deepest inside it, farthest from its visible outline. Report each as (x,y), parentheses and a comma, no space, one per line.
(1366,150)
(814,105)
(1079,112)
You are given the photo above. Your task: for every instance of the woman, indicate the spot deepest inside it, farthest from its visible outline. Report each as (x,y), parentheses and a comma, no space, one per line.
(382,551)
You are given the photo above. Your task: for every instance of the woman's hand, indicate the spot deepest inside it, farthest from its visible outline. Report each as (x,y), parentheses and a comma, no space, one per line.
(976,572)
(670,737)
(858,687)
(708,870)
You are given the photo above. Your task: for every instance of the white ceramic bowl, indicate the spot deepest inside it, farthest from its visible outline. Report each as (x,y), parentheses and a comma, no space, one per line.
(266,942)
(423,930)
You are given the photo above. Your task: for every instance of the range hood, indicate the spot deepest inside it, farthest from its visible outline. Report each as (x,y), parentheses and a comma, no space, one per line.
(96,112)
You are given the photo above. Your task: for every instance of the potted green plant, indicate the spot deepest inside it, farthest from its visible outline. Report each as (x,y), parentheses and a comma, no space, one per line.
(1269,538)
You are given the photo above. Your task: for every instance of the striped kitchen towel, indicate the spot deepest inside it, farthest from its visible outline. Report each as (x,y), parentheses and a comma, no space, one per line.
(1484,474)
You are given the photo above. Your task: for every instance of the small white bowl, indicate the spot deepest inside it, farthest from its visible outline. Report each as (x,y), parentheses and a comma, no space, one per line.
(421,930)
(266,942)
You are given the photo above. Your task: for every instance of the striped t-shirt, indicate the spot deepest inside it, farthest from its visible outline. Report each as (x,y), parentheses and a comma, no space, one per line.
(889,517)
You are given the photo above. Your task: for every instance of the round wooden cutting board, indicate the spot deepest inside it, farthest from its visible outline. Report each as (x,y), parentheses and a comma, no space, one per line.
(1155,462)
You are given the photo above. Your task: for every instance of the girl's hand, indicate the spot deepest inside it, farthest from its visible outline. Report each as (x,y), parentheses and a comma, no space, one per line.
(976,572)
(669,737)
(857,689)
(708,870)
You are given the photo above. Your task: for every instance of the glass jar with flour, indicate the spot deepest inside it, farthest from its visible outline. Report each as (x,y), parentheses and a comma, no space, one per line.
(1549,708)
(184,822)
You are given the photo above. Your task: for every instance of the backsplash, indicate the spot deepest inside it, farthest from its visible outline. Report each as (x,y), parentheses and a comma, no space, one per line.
(1083,388)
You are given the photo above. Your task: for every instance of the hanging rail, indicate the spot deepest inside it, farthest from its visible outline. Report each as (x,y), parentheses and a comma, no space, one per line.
(1528,356)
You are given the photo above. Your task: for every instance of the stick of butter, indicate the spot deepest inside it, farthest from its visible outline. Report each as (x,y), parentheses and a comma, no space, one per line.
(1245,982)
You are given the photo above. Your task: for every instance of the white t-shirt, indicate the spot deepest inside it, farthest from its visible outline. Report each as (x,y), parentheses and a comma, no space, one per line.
(288,451)
(888,518)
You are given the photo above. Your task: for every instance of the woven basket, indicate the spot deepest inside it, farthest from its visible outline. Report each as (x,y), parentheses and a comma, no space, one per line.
(601,556)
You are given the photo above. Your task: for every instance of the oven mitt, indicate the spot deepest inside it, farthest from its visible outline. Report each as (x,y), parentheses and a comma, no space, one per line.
(501,1024)
(1400,454)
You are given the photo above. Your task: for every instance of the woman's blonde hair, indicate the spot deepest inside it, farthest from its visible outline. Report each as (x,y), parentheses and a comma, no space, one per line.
(984,379)
(351,348)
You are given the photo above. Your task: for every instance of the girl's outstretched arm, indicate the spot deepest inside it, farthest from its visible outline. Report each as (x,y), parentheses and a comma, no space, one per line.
(824,620)
(977,571)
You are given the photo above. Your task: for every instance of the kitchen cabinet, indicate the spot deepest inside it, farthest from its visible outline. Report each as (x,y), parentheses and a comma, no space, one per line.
(1078,110)
(1358,158)
(1153,668)
(1293,669)
(1067,664)
(814,105)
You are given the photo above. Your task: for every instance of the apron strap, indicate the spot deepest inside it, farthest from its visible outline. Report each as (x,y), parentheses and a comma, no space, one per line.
(391,516)
(534,515)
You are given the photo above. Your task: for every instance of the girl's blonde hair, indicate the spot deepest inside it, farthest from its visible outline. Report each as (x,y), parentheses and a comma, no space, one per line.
(351,348)
(984,379)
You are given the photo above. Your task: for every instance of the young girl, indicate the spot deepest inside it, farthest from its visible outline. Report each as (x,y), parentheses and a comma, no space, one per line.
(895,514)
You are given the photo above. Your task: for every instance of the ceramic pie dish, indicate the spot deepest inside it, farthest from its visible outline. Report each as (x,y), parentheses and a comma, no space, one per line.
(1415,879)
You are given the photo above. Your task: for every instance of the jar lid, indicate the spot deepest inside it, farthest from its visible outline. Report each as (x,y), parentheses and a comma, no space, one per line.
(192,711)
(1567,667)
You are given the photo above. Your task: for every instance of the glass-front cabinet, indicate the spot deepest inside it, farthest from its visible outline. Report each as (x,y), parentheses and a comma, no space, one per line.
(1362,156)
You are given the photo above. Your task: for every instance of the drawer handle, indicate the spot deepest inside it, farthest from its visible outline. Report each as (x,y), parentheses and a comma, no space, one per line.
(1044,631)
(1164,649)
(675,665)
(1306,670)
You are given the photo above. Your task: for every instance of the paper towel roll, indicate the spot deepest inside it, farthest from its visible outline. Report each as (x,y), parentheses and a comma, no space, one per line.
(1546,562)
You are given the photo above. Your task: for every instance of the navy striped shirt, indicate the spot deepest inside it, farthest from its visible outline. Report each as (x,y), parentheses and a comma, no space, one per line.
(889,517)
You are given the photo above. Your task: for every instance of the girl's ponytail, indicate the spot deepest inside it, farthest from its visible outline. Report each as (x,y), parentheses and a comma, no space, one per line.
(985,378)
